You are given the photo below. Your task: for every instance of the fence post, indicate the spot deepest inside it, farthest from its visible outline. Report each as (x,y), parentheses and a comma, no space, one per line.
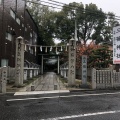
(31,73)
(111,70)
(25,74)
(3,79)
(93,78)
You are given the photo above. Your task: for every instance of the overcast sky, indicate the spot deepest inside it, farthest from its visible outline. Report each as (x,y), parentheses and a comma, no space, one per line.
(106,5)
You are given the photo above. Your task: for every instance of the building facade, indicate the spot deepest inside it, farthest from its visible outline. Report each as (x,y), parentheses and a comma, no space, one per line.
(15,21)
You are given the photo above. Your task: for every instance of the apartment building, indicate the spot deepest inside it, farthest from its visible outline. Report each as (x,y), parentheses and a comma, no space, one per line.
(15,21)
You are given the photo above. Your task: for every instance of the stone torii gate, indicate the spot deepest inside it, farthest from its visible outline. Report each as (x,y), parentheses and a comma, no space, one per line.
(58,63)
(20,62)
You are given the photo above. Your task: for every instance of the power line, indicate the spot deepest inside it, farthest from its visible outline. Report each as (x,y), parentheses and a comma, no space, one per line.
(97,13)
(46,5)
(74,6)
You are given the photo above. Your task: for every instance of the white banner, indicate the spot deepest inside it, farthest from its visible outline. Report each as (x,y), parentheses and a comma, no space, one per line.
(116,45)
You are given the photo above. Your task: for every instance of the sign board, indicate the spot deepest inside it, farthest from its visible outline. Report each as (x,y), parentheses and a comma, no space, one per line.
(84,69)
(116,45)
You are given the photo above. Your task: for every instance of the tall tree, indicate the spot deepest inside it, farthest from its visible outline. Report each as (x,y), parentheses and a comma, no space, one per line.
(92,23)
(101,57)
(44,18)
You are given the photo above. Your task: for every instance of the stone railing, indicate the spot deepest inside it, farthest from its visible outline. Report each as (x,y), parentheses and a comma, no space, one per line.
(64,70)
(31,72)
(7,75)
(103,79)
(28,73)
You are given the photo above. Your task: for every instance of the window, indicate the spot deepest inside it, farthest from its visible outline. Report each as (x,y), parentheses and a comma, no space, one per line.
(30,34)
(34,37)
(8,36)
(4,62)
(31,50)
(25,29)
(12,14)
(18,20)
(22,25)
(1,2)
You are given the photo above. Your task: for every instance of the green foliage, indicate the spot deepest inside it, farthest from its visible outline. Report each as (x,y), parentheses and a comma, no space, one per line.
(44,18)
(92,23)
(100,58)
(89,18)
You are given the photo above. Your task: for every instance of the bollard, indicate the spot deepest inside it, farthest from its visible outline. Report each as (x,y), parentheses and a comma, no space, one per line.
(32,88)
(55,87)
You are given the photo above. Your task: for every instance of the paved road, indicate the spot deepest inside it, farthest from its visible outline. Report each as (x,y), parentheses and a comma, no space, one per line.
(50,82)
(86,105)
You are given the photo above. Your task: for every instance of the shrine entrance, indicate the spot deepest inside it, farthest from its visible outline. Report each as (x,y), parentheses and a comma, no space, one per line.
(49,62)
(23,73)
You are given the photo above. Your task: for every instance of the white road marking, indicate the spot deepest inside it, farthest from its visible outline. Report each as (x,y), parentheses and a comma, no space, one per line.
(83,115)
(84,95)
(31,98)
(41,92)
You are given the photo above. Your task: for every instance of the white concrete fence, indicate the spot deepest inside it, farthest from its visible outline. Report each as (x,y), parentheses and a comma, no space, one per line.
(102,79)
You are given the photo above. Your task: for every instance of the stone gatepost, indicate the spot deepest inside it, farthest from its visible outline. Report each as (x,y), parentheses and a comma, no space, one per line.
(37,71)
(25,74)
(34,72)
(72,62)
(3,79)
(62,72)
(93,78)
(19,62)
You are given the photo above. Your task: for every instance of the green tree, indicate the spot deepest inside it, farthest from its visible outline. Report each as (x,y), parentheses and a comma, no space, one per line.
(44,18)
(100,58)
(92,23)
(105,34)
(89,20)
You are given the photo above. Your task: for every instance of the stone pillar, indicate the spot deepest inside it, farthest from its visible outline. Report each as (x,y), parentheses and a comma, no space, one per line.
(72,62)
(19,63)
(58,65)
(31,74)
(25,74)
(93,78)
(37,72)
(42,65)
(61,72)
(3,79)
(65,73)
(34,72)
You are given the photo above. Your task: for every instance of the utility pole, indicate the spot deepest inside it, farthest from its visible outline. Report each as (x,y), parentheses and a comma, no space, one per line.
(75,27)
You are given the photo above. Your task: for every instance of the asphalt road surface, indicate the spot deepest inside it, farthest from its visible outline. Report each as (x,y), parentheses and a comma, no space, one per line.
(86,105)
